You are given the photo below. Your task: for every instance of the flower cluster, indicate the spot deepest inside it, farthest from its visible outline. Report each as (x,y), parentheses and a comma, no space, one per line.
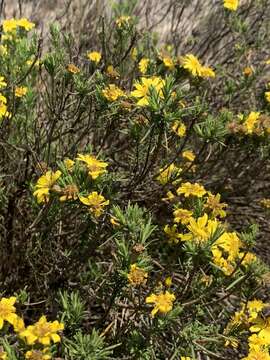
(254,123)
(11,25)
(193,65)
(251,317)
(143,89)
(66,183)
(227,250)
(42,332)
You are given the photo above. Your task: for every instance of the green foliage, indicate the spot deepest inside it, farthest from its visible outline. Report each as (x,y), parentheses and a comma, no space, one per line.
(88,347)
(73,309)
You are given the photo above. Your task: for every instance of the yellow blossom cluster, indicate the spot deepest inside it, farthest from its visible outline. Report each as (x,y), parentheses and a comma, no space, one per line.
(49,183)
(3,107)
(20,91)
(11,25)
(227,250)
(254,123)
(231,4)
(112,92)
(42,332)
(251,317)
(143,89)
(193,65)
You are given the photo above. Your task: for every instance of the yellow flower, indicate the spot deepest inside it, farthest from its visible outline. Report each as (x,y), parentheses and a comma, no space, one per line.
(142,89)
(112,72)
(257,343)
(96,202)
(225,251)
(213,203)
(188,189)
(94,56)
(248,71)
(179,128)
(18,325)
(168,281)
(163,302)
(223,264)
(189,155)
(231,4)
(257,355)
(207,72)
(20,91)
(254,307)
(94,166)
(38,355)
(45,184)
(193,65)
(267,95)
(251,121)
(228,242)
(3,84)
(248,259)
(143,65)
(182,216)
(24,23)
(137,276)
(112,92)
(172,233)
(7,310)
(9,25)
(123,21)
(3,354)
(69,164)
(185,358)
(3,107)
(73,69)
(43,332)
(202,228)
(168,62)
(167,173)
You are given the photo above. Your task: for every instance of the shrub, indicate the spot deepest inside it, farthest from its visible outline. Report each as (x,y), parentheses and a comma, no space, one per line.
(118,163)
